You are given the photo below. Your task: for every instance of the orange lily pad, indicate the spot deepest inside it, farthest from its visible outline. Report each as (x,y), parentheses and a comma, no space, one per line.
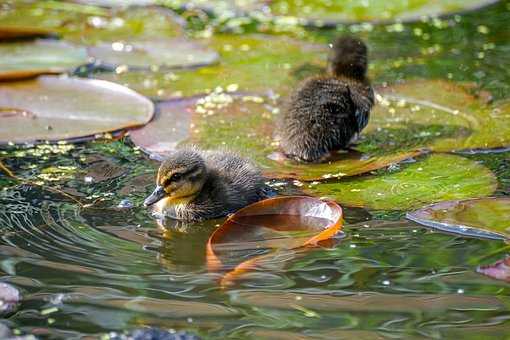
(52,108)
(245,124)
(281,223)
(8,32)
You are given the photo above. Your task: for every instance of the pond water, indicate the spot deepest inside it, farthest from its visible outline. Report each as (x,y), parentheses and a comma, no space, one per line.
(107,264)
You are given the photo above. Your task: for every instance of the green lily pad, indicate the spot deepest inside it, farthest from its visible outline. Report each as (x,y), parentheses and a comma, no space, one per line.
(438,115)
(27,59)
(163,53)
(248,63)
(484,217)
(116,3)
(438,177)
(245,124)
(90,24)
(331,13)
(55,108)
(48,17)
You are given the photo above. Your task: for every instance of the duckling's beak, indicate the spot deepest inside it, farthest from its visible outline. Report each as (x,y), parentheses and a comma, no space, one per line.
(158,194)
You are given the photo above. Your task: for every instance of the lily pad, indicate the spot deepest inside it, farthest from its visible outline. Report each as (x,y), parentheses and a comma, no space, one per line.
(331,13)
(7,32)
(438,115)
(256,62)
(116,3)
(278,223)
(484,217)
(499,270)
(149,54)
(438,177)
(28,59)
(47,17)
(90,24)
(245,124)
(55,108)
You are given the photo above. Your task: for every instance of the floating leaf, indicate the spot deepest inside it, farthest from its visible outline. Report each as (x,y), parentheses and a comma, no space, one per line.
(55,108)
(166,53)
(28,59)
(10,297)
(47,17)
(7,32)
(483,217)
(278,223)
(350,163)
(245,124)
(435,114)
(116,3)
(331,13)
(499,270)
(438,177)
(249,63)
(90,24)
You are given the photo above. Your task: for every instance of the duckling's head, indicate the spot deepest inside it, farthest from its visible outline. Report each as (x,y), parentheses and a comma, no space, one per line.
(348,57)
(180,177)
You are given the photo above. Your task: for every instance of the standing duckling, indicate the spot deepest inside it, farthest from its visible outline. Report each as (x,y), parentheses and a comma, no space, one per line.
(195,185)
(327,113)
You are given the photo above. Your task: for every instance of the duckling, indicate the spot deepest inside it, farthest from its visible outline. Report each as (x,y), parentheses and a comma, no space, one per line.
(327,113)
(195,185)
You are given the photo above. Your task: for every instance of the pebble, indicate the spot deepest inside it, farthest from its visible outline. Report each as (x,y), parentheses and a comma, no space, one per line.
(125,204)
(154,334)
(9,298)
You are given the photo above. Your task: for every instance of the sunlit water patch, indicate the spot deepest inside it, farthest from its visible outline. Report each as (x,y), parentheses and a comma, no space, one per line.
(91,270)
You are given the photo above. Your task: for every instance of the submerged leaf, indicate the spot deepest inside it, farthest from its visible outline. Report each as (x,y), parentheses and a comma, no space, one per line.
(54,108)
(484,217)
(28,59)
(278,223)
(149,54)
(438,177)
(499,270)
(245,124)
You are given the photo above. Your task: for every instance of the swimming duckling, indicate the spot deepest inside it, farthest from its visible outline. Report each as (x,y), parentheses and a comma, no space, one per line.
(194,185)
(327,113)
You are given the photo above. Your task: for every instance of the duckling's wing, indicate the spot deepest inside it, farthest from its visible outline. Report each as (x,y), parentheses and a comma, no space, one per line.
(363,100)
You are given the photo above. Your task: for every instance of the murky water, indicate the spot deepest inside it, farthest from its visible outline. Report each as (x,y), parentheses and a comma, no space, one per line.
(85,270)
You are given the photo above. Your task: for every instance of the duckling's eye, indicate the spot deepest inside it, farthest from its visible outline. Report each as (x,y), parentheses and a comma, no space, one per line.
(176,177)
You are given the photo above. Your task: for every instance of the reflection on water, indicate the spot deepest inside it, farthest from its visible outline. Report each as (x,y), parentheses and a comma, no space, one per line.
(104,268)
